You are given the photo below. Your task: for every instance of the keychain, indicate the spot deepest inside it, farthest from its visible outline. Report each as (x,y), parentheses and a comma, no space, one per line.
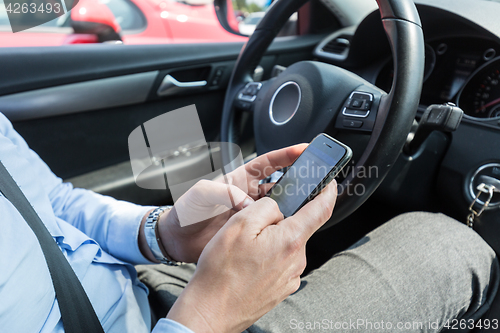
(482,188)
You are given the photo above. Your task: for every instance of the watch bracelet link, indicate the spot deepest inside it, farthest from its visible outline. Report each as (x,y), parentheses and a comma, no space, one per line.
(153,237)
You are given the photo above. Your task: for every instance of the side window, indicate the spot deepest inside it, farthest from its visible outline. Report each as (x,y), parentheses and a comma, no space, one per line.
(132,21)
(4,20)
(128,16)
(61,21)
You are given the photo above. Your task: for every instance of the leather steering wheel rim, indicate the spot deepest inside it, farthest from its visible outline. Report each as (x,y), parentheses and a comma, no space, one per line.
(396,111)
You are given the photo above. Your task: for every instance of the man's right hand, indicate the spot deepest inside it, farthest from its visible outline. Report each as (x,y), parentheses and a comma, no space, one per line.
(252,264)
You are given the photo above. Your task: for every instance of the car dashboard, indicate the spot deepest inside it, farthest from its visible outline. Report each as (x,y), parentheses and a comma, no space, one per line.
(462,66)
(461,61)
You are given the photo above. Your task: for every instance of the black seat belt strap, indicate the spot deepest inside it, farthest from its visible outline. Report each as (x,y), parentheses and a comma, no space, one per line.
(77,313)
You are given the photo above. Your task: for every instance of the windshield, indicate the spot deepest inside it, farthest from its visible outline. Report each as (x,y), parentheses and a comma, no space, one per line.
(253,20)
(350,12)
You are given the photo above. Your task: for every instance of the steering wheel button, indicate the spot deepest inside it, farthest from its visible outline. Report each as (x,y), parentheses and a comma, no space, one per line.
(249,93)
(356,103)
(356,113)
(352,123)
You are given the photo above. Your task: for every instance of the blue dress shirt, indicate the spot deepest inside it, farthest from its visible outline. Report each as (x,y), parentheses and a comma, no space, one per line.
(98,236)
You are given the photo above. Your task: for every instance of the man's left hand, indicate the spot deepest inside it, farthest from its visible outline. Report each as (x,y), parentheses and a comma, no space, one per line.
(185,241)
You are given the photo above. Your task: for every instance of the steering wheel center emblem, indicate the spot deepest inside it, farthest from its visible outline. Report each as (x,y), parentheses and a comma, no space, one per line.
(285,103)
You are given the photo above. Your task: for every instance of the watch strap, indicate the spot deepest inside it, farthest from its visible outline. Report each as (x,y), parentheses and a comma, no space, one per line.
(153,236)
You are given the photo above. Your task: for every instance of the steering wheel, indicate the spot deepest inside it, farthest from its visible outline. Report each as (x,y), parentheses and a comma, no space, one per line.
(312,97)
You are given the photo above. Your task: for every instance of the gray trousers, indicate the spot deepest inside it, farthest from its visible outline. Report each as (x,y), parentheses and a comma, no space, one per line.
(412,274)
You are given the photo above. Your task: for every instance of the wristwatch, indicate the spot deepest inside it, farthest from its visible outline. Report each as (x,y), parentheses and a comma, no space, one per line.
(153,237)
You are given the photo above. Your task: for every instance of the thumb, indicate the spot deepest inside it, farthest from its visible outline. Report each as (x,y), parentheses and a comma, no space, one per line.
(315,213)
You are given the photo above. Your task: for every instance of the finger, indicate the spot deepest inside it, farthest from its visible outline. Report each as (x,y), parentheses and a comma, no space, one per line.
(215,193)
(264,188)
(259,215)
(207,199)
(314,214)
(264,165)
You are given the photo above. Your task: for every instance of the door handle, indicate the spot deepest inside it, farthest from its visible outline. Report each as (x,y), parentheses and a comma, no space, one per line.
(170,86)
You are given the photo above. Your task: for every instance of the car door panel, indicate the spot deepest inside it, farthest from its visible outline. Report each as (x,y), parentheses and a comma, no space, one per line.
(74,97)
(80,143)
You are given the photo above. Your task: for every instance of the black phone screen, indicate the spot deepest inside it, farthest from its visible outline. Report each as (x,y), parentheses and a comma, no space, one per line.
(304,176)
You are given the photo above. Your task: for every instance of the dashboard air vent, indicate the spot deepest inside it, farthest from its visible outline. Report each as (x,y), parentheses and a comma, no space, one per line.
(339,45)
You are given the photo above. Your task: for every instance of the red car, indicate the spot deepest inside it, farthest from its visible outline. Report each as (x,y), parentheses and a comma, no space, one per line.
(134,21)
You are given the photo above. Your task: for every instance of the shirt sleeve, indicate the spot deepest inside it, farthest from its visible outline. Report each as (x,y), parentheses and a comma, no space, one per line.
(112,223)
(169,326)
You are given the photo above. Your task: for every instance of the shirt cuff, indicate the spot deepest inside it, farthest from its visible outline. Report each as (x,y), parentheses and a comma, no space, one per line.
(169,326)
(125,239)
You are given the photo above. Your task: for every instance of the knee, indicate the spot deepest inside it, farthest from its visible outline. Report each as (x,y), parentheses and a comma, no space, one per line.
(441,230)
(437,230)
(436,253)
(447,245)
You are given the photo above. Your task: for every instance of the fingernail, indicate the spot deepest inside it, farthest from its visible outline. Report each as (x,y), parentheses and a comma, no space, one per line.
(247,202)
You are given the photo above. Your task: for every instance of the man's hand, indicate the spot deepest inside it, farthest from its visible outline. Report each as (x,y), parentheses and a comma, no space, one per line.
(253,263)
(185,241)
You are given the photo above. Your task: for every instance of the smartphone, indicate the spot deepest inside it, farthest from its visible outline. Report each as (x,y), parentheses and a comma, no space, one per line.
(317,166)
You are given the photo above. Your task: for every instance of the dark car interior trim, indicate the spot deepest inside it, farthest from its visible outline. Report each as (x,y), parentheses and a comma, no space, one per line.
(27,68)
(78,97)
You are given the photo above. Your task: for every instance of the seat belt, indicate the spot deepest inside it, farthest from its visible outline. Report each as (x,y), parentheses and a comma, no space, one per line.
(77,313)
